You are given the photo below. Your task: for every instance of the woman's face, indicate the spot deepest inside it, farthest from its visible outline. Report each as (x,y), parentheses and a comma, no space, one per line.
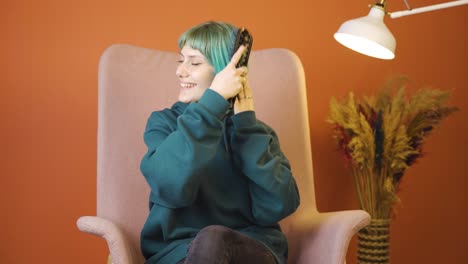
(195,74)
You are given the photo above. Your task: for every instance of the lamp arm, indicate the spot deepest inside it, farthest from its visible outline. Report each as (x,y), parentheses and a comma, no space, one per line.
(427,8)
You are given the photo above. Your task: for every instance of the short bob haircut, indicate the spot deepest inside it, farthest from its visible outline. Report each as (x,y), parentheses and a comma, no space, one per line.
(215,40)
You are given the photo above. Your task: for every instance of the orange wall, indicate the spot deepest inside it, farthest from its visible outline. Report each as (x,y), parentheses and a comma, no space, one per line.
(49,54)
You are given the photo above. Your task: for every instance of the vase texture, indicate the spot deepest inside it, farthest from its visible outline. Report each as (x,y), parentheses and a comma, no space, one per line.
(374,242)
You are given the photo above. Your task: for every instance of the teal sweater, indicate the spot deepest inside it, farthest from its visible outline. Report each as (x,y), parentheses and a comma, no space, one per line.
(207,167)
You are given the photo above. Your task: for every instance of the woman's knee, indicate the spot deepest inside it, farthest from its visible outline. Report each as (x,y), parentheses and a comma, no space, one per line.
(216,235)
(214,230)
(211,245)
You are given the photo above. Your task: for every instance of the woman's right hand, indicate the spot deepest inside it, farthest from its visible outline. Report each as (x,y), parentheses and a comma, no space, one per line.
(230,80)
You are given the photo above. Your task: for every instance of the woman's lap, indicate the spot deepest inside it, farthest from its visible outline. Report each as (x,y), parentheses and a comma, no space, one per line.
(217,244)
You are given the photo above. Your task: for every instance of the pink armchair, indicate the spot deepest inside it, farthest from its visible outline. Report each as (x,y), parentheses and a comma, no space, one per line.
(135,81)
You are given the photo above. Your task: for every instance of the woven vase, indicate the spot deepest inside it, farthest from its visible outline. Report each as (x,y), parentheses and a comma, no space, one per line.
(374,242)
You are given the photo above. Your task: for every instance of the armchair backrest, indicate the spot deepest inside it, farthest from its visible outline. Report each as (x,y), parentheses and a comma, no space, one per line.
(134,81)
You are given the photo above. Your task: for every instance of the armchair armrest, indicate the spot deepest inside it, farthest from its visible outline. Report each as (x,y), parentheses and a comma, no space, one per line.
(327,235)
(115,238)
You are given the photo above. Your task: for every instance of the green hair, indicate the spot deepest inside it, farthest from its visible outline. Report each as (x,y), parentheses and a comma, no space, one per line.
(215,40)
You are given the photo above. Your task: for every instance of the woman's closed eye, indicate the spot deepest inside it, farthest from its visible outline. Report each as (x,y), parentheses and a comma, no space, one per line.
(193,63)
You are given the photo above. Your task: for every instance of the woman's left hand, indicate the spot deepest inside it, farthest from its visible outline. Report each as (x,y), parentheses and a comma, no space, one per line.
(244,99)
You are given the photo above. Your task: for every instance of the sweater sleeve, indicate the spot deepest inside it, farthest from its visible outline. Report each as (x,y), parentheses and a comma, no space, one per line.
(177,156)
(257,152)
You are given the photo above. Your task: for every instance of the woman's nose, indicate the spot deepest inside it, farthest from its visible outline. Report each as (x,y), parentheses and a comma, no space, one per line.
(181,70)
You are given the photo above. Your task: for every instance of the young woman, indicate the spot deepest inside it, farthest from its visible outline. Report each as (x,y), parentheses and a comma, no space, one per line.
(219,180)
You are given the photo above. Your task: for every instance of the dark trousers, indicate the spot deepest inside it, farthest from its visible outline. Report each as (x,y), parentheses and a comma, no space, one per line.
(221,245)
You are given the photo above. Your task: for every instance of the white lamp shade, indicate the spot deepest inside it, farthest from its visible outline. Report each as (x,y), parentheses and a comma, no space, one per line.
(368,35)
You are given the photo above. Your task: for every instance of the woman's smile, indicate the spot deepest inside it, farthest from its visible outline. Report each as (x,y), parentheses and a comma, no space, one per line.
(187,85)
